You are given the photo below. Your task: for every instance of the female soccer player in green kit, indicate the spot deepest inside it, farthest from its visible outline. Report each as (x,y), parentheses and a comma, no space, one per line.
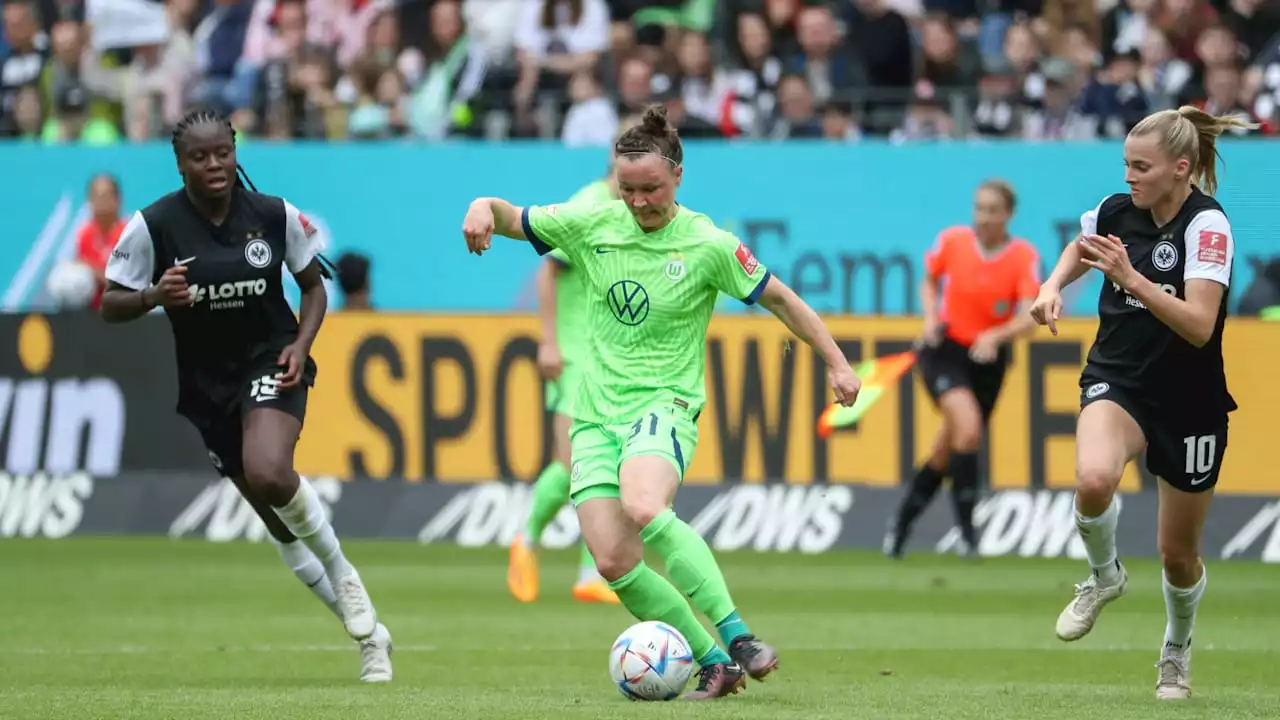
(561,357)
(652,270)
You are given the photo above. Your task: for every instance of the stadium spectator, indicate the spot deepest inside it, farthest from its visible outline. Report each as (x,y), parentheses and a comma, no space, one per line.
(1022,58)
(592,120)
(945,62)
(383,50)
(1185,21)
(150,88)
(457,66)
(225,83)
(98,236)
(703,88)
(828,67)
(689,126)
(24,61)
(754,80)
(1114,100)
(1253,24)
(635,85)
(554,39)
(798,117)
(1127,26)
(28,114)
(1058,118)
(1264,291)
(353,280)
(72,123)
(1161,75)
(838,123)
(926,118)
(882,39)
(378,111)
(998,111)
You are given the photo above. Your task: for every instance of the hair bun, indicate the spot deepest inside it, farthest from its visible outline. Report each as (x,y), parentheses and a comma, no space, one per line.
(655,121)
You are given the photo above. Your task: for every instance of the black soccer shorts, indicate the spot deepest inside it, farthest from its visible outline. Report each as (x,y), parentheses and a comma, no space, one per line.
(223,432)
(948,365)
(1184,448)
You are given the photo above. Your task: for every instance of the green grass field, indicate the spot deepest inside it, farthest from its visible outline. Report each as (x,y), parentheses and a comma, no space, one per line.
(151,629)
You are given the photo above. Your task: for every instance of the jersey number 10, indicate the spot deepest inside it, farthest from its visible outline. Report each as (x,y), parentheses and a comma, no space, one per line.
(1201,453)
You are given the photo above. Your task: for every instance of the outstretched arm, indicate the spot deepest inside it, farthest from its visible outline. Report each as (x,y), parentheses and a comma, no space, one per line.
(506,217)
(801,320)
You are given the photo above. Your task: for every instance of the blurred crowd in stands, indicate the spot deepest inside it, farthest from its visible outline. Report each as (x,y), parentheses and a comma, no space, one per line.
(107,71)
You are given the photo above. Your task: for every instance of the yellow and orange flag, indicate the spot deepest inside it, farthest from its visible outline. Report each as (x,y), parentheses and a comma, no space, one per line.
(878,376)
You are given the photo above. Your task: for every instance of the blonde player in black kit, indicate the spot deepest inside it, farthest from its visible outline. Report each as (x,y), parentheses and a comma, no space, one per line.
(1154,378)
(211,254)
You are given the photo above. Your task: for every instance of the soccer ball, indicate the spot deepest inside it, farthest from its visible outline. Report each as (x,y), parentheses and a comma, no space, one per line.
(72,284)
(651,661)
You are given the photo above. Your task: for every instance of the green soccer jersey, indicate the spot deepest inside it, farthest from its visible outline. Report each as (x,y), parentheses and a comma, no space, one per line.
(571,331)
(649,298)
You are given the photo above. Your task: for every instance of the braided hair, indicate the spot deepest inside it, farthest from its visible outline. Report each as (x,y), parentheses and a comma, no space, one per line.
(208,117)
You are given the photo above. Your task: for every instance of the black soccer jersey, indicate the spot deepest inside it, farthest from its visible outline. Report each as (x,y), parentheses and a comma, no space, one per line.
(1133,348)
(240,320)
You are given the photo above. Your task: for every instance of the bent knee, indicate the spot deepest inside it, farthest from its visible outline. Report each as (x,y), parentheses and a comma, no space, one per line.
(1180,559)
(643,510)
(1097,483)
(267,472)
(615,560)
(966,437)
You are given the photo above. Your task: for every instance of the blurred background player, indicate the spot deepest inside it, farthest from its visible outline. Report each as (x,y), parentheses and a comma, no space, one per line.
(979,283)
(562,313)
(100,233)
(1154,379)
(353,281)
(635,420)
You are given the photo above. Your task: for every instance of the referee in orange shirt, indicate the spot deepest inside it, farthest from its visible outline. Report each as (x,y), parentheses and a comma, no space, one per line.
(978,287)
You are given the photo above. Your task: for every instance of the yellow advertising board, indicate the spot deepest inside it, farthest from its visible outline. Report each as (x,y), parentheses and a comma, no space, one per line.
(458,399)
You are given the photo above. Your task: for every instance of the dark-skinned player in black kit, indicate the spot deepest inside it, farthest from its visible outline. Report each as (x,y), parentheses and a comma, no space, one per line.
(211,255)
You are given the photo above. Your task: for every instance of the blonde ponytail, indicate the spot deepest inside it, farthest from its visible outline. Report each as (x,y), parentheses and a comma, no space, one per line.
(1191,133)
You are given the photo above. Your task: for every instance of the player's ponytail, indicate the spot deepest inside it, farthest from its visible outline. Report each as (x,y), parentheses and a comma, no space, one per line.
(1192,133)
(327,269)
(653,134)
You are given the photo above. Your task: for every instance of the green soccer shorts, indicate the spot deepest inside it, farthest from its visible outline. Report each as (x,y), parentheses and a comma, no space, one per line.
(599,450)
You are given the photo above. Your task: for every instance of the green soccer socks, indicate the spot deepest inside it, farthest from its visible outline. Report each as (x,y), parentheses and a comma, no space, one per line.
(694,570)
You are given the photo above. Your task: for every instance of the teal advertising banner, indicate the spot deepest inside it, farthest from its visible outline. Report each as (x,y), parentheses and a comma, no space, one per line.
(845,225)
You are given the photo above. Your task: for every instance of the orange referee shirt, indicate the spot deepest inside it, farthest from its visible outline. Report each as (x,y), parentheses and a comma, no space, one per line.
(980,291)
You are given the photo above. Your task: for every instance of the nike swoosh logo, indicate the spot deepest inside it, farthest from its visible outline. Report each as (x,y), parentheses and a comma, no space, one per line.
(1200,480)
(179,263)
(602,251)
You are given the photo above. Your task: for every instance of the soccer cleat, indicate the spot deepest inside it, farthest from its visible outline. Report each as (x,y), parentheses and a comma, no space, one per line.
(717,681)
(894,543)
(375,656)
(1091,596)
(522,571)
(753,656)
(357,610)
(1174,680)
(596,591)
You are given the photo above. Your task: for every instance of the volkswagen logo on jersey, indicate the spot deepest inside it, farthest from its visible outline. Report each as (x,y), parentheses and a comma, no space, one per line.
(258,253)
(629,302)
(1164,256)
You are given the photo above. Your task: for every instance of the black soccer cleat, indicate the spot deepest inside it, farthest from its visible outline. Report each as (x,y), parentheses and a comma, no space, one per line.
(757,658)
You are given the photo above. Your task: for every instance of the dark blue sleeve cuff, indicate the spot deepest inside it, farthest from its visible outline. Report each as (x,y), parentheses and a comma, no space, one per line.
(532,236)
(759,289)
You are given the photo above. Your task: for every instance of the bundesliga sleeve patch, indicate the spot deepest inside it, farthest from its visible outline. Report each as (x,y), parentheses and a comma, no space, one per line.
(746,259)
(307,228)
(1213,247)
